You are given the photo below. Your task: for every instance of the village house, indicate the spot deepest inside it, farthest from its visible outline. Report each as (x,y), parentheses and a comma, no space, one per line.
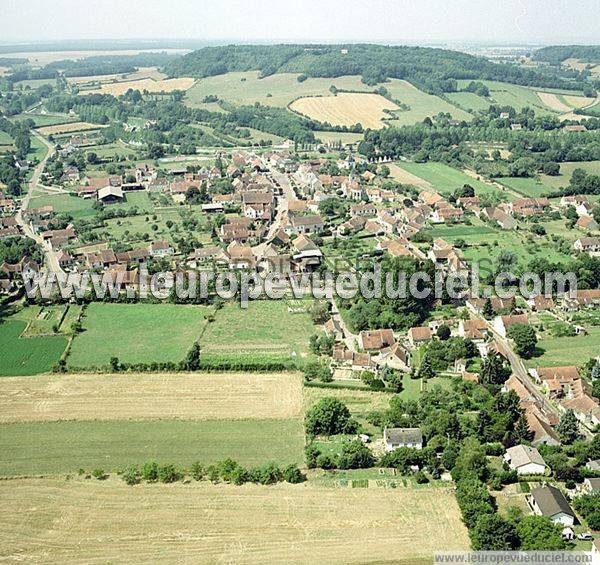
(364,209)
(500,217)
(240,256)
(160,249)
(306,256)
(475,329)
(375,340)
(502,323)
(525,460)
(528,206)
(101,259)
(59,238)
(304,224)
(551,502)
(207,255)
(418,335)
(26,268)
(396,357)
(590,485)
(586,223)
(110,195)
(589,245)
(395,438)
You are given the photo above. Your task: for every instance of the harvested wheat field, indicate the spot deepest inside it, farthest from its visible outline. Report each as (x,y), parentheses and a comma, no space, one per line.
(198,396)
(70,127)
(552,101)
(78,521)
(167,85)
(404,177)
(579,101)
(345,109)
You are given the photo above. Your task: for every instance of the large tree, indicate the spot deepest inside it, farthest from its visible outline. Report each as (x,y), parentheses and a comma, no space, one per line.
(525,339)
(493,533)
(329,416)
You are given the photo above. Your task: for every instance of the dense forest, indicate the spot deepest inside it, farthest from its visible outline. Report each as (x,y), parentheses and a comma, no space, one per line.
(556,54)
(434,70)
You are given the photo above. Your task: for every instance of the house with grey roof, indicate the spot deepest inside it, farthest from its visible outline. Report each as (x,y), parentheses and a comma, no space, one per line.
(551,502)
(525,460)
(402,437)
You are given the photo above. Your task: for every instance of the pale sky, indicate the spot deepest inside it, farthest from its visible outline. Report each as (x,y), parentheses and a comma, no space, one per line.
(398,21)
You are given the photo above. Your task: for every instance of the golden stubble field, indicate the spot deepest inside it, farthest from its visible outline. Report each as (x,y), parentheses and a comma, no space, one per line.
(197,396)
(78,521)
(346,109)
(120,88)
(70,127)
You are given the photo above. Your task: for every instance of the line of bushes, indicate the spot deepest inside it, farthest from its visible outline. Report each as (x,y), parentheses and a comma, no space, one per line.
(227,471)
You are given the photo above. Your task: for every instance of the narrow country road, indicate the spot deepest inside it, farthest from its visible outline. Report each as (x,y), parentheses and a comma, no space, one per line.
(49,254)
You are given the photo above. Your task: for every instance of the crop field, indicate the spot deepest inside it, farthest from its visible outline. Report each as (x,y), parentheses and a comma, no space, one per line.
(446,179)
(136,333)
(91,521)
(334,137)
(69,127)
(506,94)
(275,90)
(185,396)
(552,101)
(469,100)
(264,328)
(421,104)
(142,73)
(578,101)
(46,119)
(345,109)
(49,448)
(27,355)
(567,350)
(154,86)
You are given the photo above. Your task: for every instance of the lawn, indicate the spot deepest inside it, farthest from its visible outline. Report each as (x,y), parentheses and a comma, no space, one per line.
(446,179)
(27,356)
(567,350)
(265,328)
(508,240)
(64,204)
(246,88)
(472,234)
(421,104)
(42,319)
(527,186)
(136,333)
(43,448)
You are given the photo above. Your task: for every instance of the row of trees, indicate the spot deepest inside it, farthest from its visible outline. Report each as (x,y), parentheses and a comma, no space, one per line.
(227,471)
